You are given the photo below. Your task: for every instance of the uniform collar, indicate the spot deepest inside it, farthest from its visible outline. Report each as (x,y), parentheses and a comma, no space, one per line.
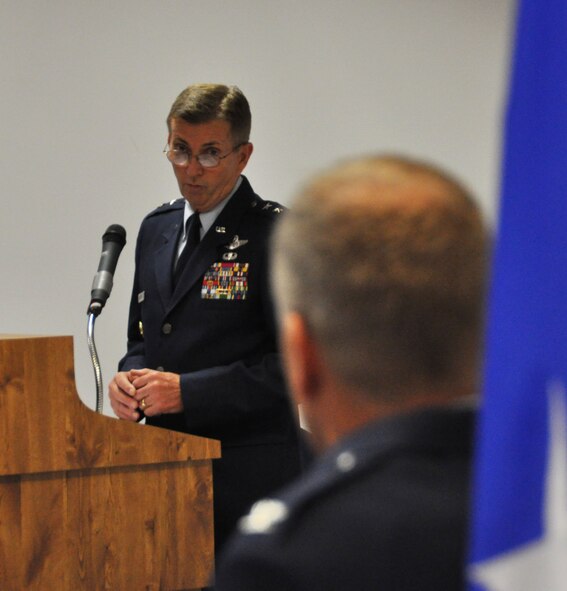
(433,427)
(431,430)
(208,218)
(446,430)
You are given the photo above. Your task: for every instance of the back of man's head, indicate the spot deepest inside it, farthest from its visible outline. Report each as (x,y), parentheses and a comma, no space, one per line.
(384,259)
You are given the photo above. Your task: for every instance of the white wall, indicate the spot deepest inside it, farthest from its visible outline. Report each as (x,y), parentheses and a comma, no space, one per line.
(86,86)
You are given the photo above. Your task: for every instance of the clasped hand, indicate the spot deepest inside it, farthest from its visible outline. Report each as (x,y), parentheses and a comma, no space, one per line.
(153,392)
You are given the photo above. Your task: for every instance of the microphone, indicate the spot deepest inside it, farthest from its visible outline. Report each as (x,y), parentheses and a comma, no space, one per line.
(113,241)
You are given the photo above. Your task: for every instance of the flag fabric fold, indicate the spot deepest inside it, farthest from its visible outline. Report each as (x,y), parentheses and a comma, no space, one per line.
(525,372)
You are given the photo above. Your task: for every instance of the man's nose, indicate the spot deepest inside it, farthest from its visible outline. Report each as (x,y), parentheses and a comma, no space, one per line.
(194,167)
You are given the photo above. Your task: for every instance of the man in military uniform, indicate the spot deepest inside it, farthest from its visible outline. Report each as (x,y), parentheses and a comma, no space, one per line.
(202,353)
(379,272)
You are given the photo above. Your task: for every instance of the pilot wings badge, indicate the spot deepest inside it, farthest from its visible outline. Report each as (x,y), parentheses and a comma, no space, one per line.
(236,243)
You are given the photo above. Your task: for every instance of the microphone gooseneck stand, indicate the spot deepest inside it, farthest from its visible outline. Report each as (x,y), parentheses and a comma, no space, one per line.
(94,310)
(113,241)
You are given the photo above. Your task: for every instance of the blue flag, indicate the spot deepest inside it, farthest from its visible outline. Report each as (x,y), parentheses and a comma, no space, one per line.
(519,517)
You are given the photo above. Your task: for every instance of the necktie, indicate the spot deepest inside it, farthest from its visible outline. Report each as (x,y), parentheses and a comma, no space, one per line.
(193,231)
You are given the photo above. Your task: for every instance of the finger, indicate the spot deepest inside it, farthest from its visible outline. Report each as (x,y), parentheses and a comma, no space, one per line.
(144,404)
(136,373)
(123,383)
(139,384)
(145,381)
(152,410)
(123,411)
(120,398)
(143,391)
(132,416)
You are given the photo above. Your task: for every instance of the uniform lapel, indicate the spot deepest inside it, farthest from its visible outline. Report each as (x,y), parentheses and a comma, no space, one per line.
(208,250)
(163,260)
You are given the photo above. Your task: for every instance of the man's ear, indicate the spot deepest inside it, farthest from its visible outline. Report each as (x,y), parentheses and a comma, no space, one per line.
(244,155)
(302,359)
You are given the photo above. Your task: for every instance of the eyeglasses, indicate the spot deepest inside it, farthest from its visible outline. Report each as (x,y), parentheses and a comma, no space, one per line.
(181,157)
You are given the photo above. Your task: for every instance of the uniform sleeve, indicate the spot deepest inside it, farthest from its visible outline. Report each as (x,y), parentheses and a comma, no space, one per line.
(135,357)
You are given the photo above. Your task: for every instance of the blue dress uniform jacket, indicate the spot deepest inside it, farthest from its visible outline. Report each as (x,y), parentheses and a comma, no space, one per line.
(217,330)
(385,510)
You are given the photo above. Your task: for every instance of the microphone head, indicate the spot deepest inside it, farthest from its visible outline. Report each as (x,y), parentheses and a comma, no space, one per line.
(115,233)
(113,241)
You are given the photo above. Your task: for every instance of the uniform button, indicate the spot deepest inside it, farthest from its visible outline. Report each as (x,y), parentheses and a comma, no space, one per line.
(166,328)
(346,461)
(159,368)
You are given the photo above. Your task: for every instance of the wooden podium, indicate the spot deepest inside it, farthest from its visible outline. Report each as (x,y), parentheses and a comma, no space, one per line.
(90,502)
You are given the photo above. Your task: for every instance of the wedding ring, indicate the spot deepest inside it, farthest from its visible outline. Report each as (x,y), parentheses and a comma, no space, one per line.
(143,404)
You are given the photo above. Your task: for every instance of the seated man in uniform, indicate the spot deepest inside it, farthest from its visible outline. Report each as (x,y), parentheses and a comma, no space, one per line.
(379,270)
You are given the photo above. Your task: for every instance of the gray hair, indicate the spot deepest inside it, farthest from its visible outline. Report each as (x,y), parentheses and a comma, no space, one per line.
(202,103)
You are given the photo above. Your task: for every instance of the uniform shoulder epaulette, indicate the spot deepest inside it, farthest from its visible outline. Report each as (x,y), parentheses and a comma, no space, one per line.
(271,208)
(168,206)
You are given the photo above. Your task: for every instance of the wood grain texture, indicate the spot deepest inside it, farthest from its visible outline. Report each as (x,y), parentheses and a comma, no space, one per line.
(88,502)
(48,428)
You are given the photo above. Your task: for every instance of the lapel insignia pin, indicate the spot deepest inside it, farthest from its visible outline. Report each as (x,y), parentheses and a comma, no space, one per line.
(236,243)
(229,256)
(220,230)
